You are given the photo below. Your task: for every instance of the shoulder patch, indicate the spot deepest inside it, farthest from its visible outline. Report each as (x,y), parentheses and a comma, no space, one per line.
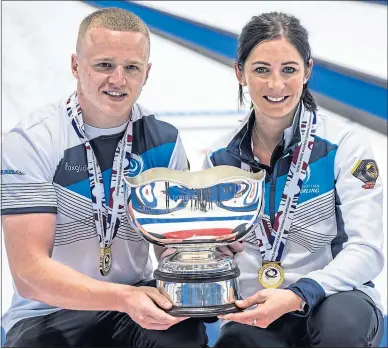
(366,171)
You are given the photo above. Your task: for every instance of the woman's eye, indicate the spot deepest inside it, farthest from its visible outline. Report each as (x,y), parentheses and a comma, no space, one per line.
(289,70)
(261,70)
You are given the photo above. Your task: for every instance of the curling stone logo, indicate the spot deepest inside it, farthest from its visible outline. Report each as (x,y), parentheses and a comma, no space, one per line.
(136,165)
(309,188)
(308,173)
(271,273)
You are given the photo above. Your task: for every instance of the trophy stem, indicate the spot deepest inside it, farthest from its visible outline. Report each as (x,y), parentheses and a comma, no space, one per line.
(196,255)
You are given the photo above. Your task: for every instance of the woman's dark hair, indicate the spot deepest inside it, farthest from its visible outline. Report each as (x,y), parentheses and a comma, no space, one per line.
(273,26)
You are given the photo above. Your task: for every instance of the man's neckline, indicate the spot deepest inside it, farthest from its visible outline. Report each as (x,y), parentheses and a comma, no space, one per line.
(94,132)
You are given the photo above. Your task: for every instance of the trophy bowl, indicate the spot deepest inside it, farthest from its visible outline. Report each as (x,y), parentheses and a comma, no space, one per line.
(194,213)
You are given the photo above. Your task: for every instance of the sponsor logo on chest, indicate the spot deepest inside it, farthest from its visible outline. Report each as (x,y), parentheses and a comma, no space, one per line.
(308,187)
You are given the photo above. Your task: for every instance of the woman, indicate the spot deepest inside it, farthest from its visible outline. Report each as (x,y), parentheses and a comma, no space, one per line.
(306,270)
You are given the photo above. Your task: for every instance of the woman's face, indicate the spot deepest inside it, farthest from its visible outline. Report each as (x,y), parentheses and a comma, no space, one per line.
(274,73)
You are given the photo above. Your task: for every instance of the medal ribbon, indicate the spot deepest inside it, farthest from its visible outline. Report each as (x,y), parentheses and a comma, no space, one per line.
(273,239)
(107,217)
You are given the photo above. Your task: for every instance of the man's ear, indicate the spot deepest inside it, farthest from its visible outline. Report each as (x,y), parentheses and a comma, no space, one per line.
(74,66)
(149,65)
(238,69)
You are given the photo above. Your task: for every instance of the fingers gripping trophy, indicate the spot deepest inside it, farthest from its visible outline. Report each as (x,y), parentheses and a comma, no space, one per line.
(194,213)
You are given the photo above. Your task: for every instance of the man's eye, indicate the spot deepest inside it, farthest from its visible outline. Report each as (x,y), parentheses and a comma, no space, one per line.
(289,70)
(132,67)
(261,70)
(104,65)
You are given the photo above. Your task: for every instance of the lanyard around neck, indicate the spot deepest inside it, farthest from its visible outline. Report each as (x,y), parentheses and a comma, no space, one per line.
(272,240)
(107,216)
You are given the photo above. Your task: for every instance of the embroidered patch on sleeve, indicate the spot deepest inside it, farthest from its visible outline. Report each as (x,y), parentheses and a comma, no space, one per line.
(366,171)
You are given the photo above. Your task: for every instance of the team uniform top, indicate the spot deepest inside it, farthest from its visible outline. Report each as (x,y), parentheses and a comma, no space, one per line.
(336,238)
(45,170)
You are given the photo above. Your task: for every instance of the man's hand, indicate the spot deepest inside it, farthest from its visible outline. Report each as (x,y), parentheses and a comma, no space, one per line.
(161,252)
(231,249)
(270,304)
(146,305)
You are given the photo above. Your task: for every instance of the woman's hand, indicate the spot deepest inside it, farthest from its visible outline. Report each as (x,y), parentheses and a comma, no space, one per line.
(231,249)
(270,304)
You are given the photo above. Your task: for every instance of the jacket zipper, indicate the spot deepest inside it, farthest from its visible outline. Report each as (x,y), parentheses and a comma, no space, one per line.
(272,194)
(273,164)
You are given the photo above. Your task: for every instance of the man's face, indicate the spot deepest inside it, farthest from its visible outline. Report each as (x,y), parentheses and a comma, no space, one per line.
(111,68)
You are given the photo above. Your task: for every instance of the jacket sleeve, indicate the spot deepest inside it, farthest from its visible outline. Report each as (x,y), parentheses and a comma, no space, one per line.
(359,213)
(207,162)
(27,171)
(178,160)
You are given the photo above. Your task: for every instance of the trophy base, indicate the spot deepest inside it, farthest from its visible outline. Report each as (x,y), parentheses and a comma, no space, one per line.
(199,283)
(203,311)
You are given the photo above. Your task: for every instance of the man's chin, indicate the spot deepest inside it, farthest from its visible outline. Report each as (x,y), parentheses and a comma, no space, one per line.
(116,112)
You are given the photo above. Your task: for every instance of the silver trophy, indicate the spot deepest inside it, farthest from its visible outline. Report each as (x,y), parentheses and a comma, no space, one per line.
(194,213)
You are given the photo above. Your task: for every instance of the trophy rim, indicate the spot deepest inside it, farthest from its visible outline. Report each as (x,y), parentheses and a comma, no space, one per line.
(193,179)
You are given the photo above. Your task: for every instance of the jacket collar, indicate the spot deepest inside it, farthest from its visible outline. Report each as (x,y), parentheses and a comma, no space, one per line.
(240,145)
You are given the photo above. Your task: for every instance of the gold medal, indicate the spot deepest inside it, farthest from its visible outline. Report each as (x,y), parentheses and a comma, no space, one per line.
(105,260)
(271,274)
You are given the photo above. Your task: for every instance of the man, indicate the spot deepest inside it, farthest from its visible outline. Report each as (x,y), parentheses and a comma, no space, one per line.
(81,276)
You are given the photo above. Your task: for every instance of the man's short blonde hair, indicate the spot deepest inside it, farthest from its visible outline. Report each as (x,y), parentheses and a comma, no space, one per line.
(112,18)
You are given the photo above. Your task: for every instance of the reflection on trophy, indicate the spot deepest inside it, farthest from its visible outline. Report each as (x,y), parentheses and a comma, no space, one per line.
(194,212)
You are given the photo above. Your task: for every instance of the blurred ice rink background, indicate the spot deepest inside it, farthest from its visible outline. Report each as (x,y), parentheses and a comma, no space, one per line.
(195,92)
